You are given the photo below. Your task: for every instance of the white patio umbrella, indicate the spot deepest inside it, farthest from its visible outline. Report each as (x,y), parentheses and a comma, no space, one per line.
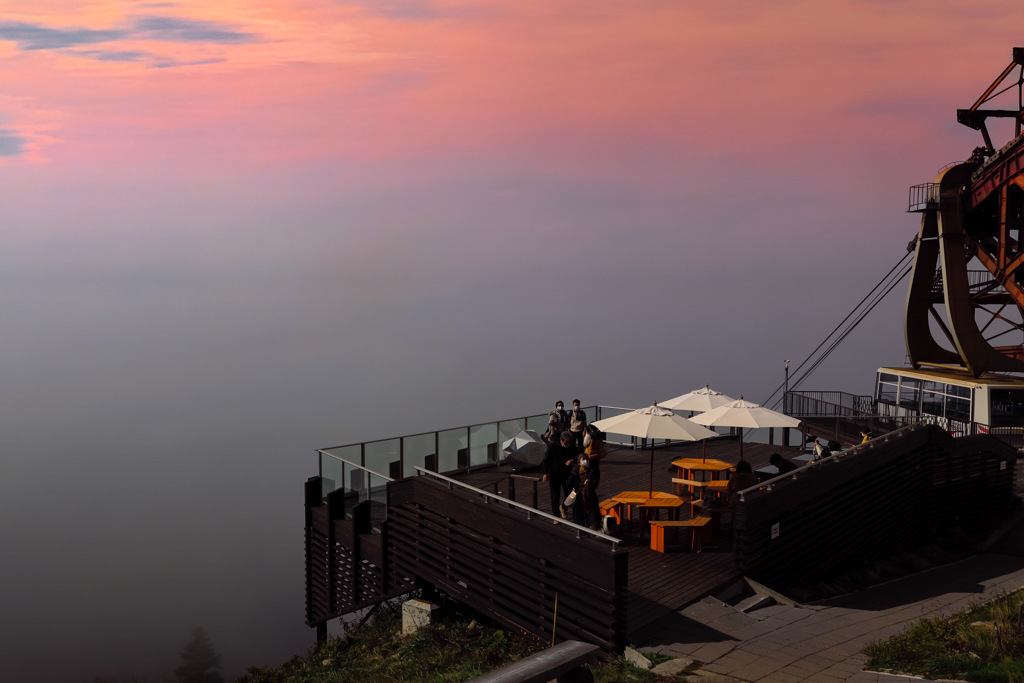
(654,422)
(745,415)
(698,401)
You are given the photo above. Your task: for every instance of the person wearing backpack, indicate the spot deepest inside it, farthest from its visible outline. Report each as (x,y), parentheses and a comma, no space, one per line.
(593,448)
(581,481)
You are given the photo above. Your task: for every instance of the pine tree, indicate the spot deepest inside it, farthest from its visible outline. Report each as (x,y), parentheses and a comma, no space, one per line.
(199,661)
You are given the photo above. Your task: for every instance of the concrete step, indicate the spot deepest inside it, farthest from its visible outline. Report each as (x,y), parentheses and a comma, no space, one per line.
(753,602)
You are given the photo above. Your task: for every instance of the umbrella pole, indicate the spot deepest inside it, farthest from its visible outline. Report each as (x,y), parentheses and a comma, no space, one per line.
(704,450)
(650,482)
(741,444)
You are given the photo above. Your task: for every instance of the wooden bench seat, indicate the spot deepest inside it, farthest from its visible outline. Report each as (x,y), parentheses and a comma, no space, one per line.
(697,526)
(611,508)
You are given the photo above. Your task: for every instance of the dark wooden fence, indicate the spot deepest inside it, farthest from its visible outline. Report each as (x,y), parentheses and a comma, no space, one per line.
(870,502)
(529,574)
(344,557)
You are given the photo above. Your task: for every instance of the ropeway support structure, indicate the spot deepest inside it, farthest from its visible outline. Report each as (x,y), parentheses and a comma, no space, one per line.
(973,213)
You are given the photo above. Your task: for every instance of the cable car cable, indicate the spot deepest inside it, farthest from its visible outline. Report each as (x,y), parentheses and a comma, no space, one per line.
(883,283)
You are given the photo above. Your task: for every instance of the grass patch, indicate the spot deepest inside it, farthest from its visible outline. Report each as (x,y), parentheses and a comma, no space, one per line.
(656,657)
(456,648)
(982,644)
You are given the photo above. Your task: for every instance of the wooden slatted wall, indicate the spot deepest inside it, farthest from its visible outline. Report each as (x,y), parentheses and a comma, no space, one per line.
(869,503)
(506,566)
(344,557)
(318,575)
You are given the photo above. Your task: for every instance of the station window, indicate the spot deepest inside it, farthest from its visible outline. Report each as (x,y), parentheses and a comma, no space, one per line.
(958,408)
(957,390)
(950,401)
(888,387)
(1007,407)
(933,399)
(910,393)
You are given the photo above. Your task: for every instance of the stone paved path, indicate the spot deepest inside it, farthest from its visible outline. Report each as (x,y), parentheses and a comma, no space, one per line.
(822,642)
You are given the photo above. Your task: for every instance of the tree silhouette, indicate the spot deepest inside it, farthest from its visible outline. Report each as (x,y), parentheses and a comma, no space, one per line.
(199,661)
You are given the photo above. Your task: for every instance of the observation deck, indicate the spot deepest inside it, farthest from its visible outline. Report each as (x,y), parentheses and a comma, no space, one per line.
(480,533)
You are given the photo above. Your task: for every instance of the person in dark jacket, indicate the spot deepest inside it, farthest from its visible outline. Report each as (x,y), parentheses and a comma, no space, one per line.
(581,480)
(557,463)
(742,477)
(783,464)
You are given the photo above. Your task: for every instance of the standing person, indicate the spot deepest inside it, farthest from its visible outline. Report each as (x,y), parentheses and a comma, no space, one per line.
(581,480)
(577,422)
(557,463)
(558,422)
(593,446)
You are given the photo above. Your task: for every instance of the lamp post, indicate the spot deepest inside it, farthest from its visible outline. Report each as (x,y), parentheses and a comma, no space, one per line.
(785,390)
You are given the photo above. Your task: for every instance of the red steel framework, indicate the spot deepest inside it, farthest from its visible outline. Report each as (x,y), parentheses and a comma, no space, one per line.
(972,211)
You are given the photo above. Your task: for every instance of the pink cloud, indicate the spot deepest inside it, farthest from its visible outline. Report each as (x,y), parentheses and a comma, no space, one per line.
(570,83)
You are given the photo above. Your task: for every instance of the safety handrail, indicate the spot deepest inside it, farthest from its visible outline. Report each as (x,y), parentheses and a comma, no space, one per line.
(830,459)
(530,512)
(355,464)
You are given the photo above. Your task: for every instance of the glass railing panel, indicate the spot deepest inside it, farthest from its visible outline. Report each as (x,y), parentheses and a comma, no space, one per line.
(611,436)
(378,497)
(509,428)
(452,449)
(353,453)
(483,444)
(416,450)
(506,430)
(333,471)
(357,482)
(538,423)
(382,457)
(332,474)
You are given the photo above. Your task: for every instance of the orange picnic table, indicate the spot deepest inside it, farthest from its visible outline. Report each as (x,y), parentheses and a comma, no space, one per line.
(694,474)
(649,503)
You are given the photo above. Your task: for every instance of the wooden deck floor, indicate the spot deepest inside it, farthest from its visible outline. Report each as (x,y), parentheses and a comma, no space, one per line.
(659,583)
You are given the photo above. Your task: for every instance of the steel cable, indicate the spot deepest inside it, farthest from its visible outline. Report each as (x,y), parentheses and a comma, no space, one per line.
(871,299)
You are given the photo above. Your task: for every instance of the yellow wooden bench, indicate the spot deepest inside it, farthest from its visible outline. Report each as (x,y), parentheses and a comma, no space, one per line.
(698,527)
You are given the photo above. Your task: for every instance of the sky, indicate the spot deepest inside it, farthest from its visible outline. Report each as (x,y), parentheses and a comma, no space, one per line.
(232,232)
